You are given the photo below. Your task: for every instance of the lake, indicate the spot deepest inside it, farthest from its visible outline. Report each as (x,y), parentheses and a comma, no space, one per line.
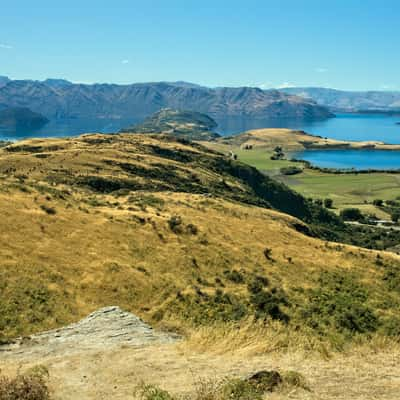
(69,127)
(358,127)
(345,126)
(358,159)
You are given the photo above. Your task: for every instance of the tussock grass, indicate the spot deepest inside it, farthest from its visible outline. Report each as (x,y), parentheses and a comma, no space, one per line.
(173,234)
(251,337)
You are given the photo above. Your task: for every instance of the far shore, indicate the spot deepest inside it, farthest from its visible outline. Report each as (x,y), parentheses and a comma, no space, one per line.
(292,141)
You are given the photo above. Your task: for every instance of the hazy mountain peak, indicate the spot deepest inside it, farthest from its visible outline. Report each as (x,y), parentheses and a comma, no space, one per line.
(57,82)
(4,80)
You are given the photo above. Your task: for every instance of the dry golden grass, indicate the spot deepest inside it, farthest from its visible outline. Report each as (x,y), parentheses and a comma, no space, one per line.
(291,140)
(96,249)
(84,249)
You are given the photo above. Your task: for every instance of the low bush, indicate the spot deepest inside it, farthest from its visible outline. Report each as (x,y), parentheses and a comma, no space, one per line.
(267,303)
(48,210)
(234,276)
(29,386)
(351,214)
(391,277)
(328,203)
(378,202)
(292,170)
(339,305)
(151,392)
(175,224)
(254,387)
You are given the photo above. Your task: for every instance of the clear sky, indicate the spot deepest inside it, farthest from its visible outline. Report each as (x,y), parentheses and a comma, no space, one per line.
(334,43)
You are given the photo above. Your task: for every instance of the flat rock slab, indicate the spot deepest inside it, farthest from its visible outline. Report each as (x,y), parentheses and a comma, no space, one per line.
(103,329)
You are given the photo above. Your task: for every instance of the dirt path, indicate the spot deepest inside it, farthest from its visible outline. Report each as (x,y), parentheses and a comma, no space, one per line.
(86,373)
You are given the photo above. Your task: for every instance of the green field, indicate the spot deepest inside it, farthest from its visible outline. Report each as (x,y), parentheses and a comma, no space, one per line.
(346,190)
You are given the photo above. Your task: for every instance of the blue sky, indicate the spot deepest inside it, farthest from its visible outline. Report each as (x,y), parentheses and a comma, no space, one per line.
(332,43)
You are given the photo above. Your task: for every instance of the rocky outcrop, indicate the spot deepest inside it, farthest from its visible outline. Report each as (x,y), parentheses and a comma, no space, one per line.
(103,329)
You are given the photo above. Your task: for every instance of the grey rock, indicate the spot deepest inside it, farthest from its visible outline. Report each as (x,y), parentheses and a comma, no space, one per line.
(103,329)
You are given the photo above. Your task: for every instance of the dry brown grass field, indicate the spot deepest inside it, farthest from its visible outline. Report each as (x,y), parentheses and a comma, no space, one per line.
(153,226)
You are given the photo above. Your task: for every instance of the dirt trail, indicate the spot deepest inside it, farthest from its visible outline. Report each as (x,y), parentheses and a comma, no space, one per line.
(109,353)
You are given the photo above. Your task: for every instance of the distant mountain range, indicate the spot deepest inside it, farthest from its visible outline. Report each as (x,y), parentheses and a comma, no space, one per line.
(340,100)
(57,98)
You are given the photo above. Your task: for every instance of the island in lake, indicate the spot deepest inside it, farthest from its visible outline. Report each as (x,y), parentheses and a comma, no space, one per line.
(187,124)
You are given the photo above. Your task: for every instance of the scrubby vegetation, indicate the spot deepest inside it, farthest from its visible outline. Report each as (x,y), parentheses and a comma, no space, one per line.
(255,387)
(339,306)
(31,385)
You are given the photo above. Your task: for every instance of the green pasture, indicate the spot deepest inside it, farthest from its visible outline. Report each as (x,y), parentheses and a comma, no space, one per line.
(346,190)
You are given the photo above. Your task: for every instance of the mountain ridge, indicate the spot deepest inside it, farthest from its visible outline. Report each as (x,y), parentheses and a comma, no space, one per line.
(63,99)
(343,100)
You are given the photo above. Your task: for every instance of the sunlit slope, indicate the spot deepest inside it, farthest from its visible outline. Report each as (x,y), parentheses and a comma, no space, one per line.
(293,140)
(171,232)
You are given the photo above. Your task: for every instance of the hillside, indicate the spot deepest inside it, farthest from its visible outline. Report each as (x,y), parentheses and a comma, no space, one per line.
(62,99)
(186,124)
(196,244)
(21,118)
(291,140)
(341,100)
(176,234)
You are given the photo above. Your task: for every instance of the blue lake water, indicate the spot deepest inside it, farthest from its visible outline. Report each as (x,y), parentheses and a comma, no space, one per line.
(68,127)
(358,159)
(379,127)
(345,126)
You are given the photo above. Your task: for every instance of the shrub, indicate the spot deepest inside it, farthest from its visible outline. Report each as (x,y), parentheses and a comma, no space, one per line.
(265,381)
(30,386)
(391,277)
(378,202)
(151,392)
(295,379)
(351,214)
(339,305)
(328,203)
(234,276)
(192,229)
(395,216)
(292,170)
(175,224)
(48,210)
(267,303)
(238,389)
(257,284)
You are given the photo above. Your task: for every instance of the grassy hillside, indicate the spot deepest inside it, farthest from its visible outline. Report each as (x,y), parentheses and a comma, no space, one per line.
(179,235)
